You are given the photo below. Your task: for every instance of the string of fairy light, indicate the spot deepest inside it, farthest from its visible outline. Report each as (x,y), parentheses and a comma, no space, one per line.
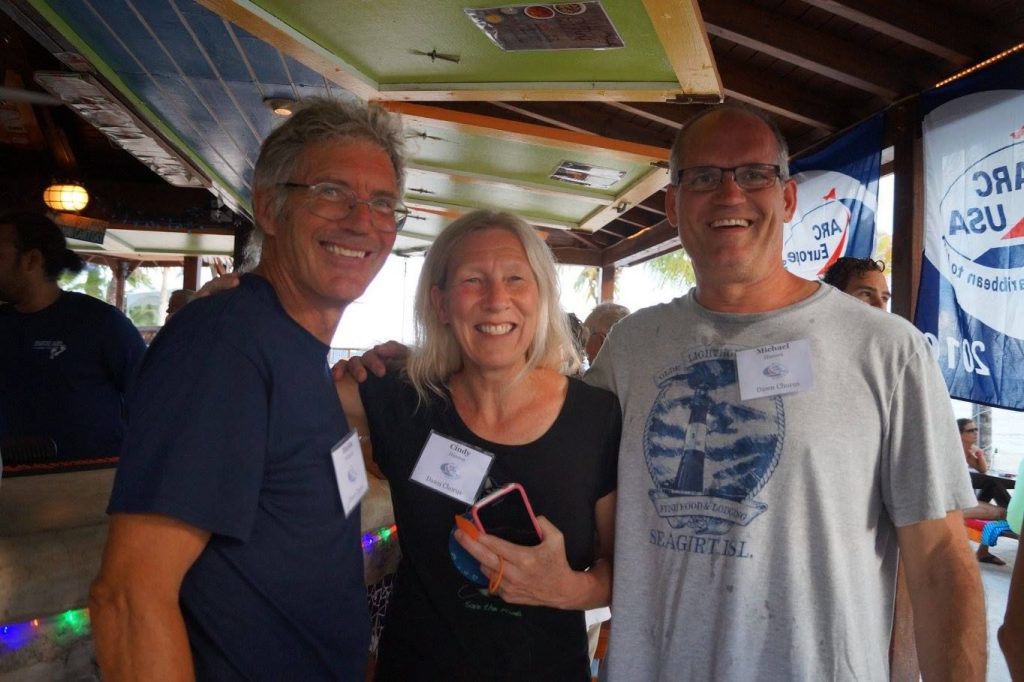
(981,65)
(73,624)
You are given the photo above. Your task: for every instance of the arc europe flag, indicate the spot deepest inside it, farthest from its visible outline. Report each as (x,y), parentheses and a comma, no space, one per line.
(837,195)
(971,300)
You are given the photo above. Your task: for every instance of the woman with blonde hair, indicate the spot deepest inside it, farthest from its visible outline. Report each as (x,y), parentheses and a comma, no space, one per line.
(488,375)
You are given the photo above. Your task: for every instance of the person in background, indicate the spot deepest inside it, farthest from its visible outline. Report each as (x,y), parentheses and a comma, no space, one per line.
(487,374)
(862,278)
(231,552)
(988,489)
(66,359)
(598,323)
(178,300)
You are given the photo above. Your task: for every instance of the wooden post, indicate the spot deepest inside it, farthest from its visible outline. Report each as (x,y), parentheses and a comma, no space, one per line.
(908,206)
(120,270)
(607,283)
(907,244)
(190,279)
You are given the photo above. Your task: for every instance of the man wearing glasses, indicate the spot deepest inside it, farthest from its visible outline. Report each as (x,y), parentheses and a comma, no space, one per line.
(780,442)
(231,553)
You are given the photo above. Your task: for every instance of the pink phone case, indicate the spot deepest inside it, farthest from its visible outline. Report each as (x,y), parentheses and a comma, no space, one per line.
(501,492)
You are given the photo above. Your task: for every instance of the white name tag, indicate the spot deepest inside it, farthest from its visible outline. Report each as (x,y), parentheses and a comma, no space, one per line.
(349,471)
(452,468)
(775,369)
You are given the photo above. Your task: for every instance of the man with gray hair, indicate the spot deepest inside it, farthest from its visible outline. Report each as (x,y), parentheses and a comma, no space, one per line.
(234,547)
(598,323)
(780,441)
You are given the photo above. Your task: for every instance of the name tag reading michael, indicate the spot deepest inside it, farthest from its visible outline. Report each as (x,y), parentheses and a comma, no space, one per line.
(349,471)
(775,369)
(452,468)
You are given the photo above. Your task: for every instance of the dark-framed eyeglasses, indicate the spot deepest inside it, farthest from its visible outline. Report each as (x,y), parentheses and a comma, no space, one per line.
(974,430)
(332,201)
(751,176)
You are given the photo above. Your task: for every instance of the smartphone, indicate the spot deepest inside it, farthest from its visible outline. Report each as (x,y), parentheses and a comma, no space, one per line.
(507,514)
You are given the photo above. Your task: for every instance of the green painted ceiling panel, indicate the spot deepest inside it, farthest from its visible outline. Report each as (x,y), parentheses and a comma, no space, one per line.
(440,188)
(378,37)
(514,160)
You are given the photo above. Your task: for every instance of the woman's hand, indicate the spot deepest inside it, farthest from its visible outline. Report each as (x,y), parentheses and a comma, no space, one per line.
(538,575)
(976,459)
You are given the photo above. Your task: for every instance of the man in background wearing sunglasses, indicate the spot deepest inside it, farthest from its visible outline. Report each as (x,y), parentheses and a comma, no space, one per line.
(780,441)
(233,553)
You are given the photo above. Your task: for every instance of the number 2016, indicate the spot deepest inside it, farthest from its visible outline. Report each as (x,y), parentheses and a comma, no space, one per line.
(968,352)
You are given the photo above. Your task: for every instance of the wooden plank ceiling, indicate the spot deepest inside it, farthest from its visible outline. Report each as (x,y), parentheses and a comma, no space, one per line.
(197,73)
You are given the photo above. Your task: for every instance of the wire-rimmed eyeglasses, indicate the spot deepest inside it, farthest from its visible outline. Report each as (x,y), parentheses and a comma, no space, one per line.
(332,201)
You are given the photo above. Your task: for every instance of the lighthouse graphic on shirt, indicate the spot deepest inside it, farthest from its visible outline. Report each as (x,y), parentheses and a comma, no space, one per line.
(708,453)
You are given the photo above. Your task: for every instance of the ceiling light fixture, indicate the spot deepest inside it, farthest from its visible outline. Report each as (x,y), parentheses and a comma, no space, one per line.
(65,197)
(281,106)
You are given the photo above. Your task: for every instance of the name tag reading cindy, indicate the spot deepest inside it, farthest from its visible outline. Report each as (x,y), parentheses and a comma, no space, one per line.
(349,471)
(775,369)
(452,467)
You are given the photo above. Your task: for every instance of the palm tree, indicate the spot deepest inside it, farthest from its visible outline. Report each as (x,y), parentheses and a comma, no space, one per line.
(673,269)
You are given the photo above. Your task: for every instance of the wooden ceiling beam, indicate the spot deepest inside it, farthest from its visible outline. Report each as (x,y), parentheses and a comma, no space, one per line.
(782,99)
(642,245)
(571,255)
(547,120)
(637,192)
(592,119)
(645,114)
(810,48)
(584,239)
(954,36)
(654,204)
(638,225)
(615,229)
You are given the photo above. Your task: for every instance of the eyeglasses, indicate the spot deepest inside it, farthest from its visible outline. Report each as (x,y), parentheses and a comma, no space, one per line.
(971,430)
(332,201)
(751,176)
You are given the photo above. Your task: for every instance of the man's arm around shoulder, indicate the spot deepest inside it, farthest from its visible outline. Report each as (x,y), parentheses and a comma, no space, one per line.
(947,598)
(137,623)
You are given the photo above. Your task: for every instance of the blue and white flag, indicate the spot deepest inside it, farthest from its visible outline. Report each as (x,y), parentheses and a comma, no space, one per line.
(837,195)
(971,299)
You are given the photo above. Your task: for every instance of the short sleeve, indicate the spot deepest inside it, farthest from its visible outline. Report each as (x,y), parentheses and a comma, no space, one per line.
(610,455)
(388,401)
(923,472)
(196,444)
(124,349)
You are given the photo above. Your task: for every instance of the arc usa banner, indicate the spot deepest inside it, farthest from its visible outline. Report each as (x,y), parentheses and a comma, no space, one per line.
(837,196)
(971,300)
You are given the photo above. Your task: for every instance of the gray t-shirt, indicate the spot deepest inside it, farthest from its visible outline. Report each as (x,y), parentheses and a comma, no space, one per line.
(780,562)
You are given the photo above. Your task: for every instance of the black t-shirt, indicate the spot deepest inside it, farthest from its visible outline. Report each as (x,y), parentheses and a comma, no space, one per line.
(441,625)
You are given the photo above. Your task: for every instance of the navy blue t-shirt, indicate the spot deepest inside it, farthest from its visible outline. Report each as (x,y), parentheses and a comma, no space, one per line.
(64,371)
(230,429)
